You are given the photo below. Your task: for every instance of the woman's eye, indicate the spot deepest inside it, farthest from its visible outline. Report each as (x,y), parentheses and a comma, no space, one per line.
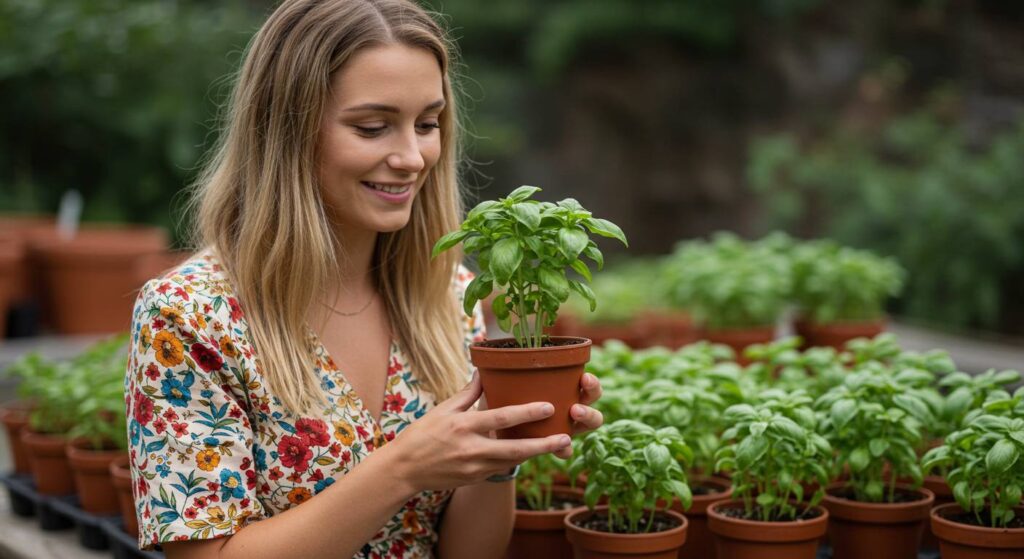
(428,126)
(369,130)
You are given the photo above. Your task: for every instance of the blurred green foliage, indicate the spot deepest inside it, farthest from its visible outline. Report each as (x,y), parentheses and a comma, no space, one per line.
(115,98)
(950,209)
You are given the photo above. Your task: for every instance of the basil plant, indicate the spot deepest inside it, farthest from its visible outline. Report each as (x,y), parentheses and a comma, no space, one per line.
(524,248)
(536,480)
(985,464)
(774,451)
(878,416)
(638,468)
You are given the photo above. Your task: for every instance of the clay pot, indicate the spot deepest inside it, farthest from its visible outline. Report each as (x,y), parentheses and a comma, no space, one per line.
(48,462)
(541,534)
(836,334)
(628,333)
(737,538)
(12,270)
(14,416)
(739,338)
(943,496)
(29,230)
(876,530)
(700,542)
(591,544)
(671,329)
(964,541)
(512,376)
(100,262)
(91,469)
(121,478)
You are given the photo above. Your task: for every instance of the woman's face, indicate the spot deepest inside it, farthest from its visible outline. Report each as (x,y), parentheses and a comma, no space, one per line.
(380,137)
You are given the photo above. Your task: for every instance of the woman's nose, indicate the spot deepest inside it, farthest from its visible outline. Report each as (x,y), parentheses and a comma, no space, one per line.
(406,155)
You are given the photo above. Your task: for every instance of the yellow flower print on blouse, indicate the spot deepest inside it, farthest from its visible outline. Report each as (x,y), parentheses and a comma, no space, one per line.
(344,432)
(227,347)
(145,337)
(169,349)
(207,459)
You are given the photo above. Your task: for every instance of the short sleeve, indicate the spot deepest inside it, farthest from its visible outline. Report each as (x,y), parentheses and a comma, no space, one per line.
(189,434)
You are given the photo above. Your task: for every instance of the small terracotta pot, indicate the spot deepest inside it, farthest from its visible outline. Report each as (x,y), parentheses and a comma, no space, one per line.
(671,329)
(102,263)
(700,542)
(737,538)
(943,496)
(541,534)
(14,416)
(739,338)
(836,334)
(876,530)
(48,462)
(29,230)
(91,469)
(513,376)
(121,477)
(965,541)
(12,269)
(591,544)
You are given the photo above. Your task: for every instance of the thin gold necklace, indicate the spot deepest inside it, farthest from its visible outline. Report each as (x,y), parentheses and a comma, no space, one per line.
(340,313)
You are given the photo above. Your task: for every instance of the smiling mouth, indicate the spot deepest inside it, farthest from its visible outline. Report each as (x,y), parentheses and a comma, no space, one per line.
(390,189)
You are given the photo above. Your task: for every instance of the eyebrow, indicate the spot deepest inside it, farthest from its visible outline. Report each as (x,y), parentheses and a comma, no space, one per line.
(392,109)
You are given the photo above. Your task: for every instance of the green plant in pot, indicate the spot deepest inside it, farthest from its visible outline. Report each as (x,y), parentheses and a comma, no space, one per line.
(49,387)
(984,464)
(99,435)
(875,421)
(639,471)
(735,291)
(622,306)
(777,459)
(841,292)
(543,499)
(524,249)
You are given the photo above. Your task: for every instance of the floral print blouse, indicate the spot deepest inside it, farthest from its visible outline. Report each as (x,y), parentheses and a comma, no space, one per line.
(212,450)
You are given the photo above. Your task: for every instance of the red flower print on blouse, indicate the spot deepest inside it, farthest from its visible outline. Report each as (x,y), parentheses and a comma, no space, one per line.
(152,372)
(143,408)
(208,359)
(294,453)
(236,309)
(313,432)
(394,403)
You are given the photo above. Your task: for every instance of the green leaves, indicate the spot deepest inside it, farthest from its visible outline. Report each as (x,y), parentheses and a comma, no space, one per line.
(842,412)
(524,248)
(1001,457)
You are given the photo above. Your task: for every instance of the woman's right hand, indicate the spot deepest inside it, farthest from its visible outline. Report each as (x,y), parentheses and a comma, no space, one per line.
(452,446)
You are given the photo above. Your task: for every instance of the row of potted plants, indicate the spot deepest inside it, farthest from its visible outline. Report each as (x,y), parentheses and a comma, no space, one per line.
(802,442)
(67,430)
(43,274)
(728,290)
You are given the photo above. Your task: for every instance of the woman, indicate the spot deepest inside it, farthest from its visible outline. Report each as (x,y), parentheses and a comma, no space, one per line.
(312,354)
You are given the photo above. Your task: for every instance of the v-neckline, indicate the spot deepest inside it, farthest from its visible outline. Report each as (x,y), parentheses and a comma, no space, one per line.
(375,422)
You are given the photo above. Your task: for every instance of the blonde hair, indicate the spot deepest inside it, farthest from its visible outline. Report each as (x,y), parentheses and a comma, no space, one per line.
(260,207)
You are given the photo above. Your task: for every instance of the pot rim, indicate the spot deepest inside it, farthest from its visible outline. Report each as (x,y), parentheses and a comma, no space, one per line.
(555,490)
(714,513)
(481,346)
(602,508)
(974,536)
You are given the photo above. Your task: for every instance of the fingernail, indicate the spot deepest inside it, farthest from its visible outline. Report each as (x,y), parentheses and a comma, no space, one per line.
(547,409)
(564,441)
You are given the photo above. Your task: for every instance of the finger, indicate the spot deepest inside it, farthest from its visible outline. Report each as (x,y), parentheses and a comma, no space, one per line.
(564,453)
(517,451)
(585,418)
(464,399)
(590,389)
(509,416)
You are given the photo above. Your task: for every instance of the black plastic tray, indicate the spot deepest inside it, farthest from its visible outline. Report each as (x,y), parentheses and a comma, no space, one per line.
(23,495)
(122,544)
(90,534)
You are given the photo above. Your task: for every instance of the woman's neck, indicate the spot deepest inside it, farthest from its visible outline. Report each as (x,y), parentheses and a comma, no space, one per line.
(355,283)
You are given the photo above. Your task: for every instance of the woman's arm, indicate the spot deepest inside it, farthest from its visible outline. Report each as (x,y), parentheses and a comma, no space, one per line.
(447,448)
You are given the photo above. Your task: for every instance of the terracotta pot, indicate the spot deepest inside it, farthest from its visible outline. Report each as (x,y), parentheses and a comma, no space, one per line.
(700,542)
(48,462)
(667,328)
(102,263)
(14,416)
(541,534)
(121,478)
(629,333)
(836,334)
(739,338)
(513,376)
(30,230)
(737,538)
(943,496)
(91,469)
(12,270)
(591,544)
(876,530)
(965,541)
(157,265)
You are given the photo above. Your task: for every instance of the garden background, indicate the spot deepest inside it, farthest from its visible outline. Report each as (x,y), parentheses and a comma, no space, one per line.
(896,126)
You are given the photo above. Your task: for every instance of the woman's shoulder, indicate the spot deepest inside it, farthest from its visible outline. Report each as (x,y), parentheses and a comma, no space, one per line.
(201,276)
